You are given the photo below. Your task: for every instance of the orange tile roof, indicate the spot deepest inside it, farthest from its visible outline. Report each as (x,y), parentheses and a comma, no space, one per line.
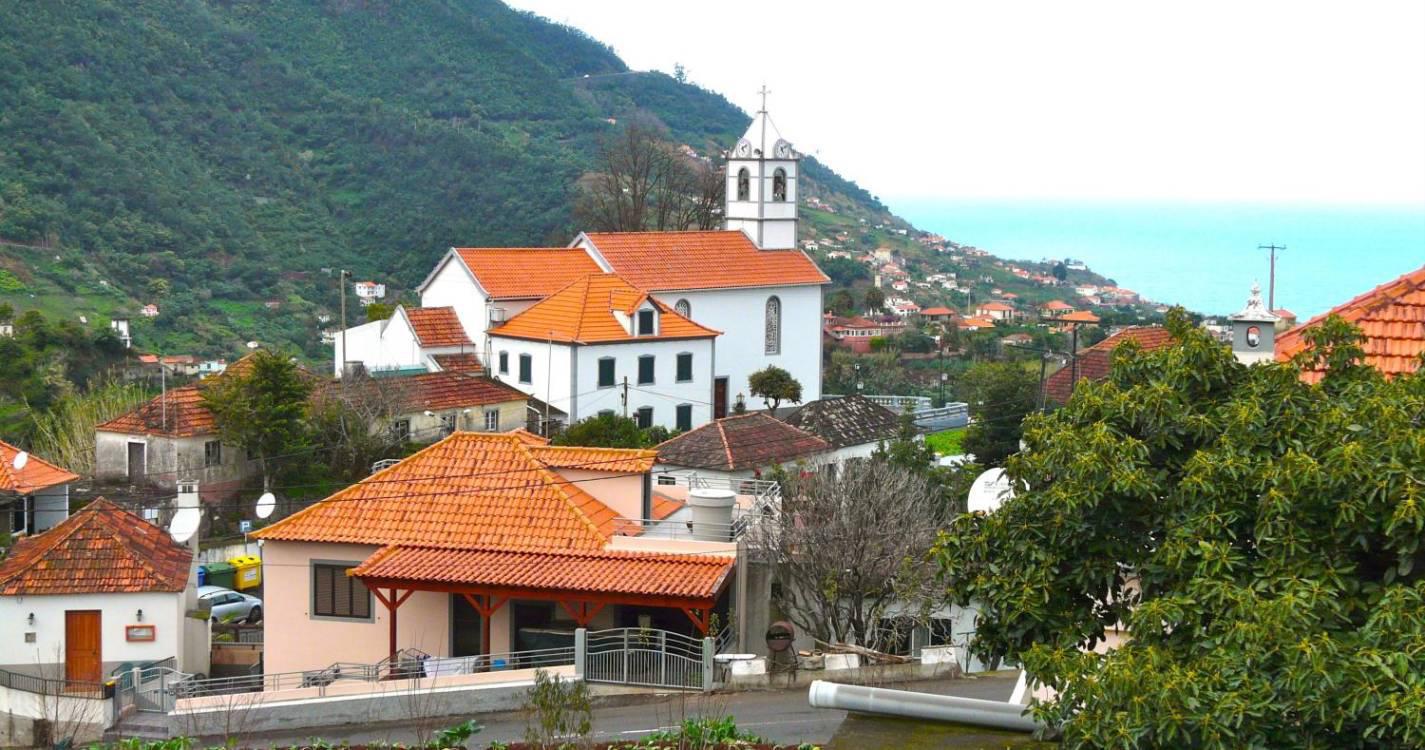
(583,313)
(437,326)
(596,459)
(1080,316)
(1057,304)
(1392,317)
(669,261)
(461,362)
(937,311)
(37,474)
(180,413)
(996,306)
(526,272)
(470,490)
(746,441)
(1095,362)
(596,572)
(977,322)
(445,390)
(101,549)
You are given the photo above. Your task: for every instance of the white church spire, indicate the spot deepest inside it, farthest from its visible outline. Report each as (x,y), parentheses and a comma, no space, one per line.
(762,184)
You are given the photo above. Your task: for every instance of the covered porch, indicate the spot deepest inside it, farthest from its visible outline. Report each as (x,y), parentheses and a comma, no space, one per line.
(626,587)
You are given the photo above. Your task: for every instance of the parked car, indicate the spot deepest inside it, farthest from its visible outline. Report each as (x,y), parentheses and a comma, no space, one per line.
(231,606)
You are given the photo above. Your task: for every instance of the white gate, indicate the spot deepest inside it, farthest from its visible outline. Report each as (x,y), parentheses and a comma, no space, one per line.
(648,658)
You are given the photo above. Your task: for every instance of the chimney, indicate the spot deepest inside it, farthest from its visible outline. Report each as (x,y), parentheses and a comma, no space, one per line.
(1254,331)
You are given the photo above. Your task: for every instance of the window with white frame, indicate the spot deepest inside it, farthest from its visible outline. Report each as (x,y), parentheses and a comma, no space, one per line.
(492,420)
(685,367)
(606,372)
(504,363)
(645,369)
(647,323)
(526,368)
(684,417)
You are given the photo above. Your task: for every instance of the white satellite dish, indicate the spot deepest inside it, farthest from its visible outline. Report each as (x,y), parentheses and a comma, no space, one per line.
(989,491)
(266,504)
(21,459)
(185,524)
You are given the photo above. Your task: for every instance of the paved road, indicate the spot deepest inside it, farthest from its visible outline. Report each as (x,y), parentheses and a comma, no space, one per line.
(781,716)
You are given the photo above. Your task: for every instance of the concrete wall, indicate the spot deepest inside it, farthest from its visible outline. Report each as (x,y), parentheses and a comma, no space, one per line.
(167,460)
(295,640)
(45,656)
(80,720)
(622,492)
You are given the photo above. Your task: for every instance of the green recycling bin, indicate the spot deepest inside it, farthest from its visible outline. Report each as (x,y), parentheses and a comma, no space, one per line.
(222,574)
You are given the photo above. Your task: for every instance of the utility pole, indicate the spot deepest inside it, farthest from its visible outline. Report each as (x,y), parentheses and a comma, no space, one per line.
(1272,276)
(548,384)
(625,397)
(341,279)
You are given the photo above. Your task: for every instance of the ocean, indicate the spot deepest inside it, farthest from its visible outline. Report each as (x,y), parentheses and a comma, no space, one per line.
(1202,256)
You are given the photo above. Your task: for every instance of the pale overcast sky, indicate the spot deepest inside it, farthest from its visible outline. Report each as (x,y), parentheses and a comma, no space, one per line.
(1241,100)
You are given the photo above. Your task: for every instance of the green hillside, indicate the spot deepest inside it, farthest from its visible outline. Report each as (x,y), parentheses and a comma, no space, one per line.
(239,150)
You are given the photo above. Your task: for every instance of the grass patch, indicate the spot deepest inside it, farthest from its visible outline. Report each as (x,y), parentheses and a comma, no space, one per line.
(946,443)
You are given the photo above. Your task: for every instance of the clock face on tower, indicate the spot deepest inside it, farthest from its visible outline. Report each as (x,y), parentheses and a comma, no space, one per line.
(1254,336)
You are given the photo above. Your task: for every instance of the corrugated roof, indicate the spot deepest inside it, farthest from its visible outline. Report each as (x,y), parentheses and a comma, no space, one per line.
(745,441)
(583,313)
(845,421)
(437,326)
(667,261)
(594,572)
(526,272)
(37,474)
(101,549)
(1095,362)
(468,491)
(1392,317)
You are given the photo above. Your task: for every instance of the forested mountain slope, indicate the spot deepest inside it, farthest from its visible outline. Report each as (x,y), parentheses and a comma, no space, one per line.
(211,156)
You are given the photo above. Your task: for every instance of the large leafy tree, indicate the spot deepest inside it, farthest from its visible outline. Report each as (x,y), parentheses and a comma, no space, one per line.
(610,431)
(1256,538)
(774,385)
(1000,394)
(262,407)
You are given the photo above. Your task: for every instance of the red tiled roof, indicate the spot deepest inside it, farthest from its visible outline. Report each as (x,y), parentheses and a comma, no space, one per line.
(465,362)
(1057,304)
(595,459)
(746,441)
(996,306)
(180,413)
(445,390)
(37,474)
(937,311)
(468,491)
(594,572)
(1095,362)
(101,549)
(1080,316)
(1392,317)
(583,313)
(976,322)
(526,272)
(669,261)
(437,326)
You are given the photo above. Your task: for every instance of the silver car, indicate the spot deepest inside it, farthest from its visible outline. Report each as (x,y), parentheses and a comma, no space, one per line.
(230,606)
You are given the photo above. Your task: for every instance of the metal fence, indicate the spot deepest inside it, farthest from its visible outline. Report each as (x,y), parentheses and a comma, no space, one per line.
(29,683)
(648,658)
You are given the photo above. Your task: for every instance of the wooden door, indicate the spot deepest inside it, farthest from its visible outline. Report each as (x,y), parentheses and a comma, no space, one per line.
(136,456)
(83,657)
(719,398)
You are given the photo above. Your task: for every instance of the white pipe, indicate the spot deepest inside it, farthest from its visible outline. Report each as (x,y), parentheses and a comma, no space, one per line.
(973,711)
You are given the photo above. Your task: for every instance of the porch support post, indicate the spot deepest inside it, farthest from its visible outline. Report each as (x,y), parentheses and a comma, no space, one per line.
(700,618)
(582,612)
(392,602)
(486,606)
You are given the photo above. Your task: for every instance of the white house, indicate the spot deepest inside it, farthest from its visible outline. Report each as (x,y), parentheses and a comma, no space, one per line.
(408,340)
(749,281)
(36,490)
(854,425)
(739,447)
(603,345)
(369,291)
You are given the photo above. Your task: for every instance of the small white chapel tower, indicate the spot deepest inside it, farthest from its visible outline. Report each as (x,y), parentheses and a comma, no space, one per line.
(762,184)
(1254,331)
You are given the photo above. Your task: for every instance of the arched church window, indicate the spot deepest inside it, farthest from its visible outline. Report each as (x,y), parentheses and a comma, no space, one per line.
(744,184)
(684,309)
(773,343)
(779,185)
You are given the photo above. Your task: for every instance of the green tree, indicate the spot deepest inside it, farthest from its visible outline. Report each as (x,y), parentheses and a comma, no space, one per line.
(774,385)
(1060,271)
(999,394)
(914,340)
(841,302)
(262,408)
(603,431)
(875,299)
(379,311)
(1259,537)
(844,271)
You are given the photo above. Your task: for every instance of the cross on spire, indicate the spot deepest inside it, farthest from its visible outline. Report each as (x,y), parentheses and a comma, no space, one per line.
(764,92)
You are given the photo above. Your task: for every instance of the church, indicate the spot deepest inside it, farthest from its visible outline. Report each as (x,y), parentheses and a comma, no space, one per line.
(663,327)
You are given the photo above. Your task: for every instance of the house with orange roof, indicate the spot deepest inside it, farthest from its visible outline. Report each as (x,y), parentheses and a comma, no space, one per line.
(938,313)
(1095,362)
(1392,318)
(975,323)
(995,311)
(101,589)
(601,344)
(1055,308)
(486,544)
(36,491)
(409,341)
(742,446)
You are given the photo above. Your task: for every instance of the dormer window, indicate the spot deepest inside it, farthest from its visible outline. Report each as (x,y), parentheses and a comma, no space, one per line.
(647,323)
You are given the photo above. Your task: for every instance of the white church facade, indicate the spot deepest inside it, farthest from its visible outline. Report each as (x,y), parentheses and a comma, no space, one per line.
(749,284)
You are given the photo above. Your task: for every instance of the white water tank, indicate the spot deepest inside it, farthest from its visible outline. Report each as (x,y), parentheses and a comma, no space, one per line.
(711,512)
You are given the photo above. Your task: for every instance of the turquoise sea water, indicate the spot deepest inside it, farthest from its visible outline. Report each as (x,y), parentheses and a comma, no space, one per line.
(1203,256)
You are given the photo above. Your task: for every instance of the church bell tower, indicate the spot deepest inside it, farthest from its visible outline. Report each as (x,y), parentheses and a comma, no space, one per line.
(762,184)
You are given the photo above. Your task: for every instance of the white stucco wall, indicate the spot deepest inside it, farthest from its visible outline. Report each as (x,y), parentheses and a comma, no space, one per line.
(547,363)
(45,656)
(741,314)
(168,460)
(663,395)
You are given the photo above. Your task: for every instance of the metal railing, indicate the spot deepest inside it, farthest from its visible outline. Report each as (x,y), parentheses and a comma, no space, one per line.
(29,683)
(676,528)
(648,658)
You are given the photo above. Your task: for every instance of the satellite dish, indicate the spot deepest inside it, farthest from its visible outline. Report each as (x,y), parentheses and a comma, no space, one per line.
(989,491)
(21,459)
(266,504)
(185,524)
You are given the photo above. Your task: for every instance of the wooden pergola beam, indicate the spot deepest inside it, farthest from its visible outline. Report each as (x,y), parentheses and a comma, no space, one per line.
(548,595)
